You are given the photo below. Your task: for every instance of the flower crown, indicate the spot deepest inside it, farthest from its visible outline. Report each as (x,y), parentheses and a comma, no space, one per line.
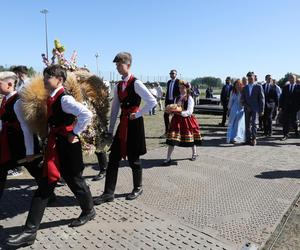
(59,58)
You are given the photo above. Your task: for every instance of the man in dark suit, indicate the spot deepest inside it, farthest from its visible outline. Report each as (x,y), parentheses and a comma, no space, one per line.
(271,103)
(289,105)
(253,100)
(172,93)
(225,94)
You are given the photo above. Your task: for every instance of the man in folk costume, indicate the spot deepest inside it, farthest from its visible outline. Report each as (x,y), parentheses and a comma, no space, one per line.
(129,140)
(14,133)
(67,118)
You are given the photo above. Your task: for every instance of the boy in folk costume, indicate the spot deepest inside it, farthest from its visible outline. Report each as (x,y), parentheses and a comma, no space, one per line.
(67,118)
(129,140)
(94,94)
(14,133)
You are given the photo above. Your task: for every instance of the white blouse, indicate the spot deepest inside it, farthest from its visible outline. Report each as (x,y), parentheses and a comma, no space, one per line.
(142,91)
(70,106)
(190,108)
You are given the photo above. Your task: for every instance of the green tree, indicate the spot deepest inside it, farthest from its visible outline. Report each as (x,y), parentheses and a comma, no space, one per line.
(283,80)
(31,70)
(207,81)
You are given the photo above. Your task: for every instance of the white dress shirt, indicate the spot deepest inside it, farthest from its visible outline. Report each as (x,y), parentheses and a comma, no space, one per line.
(22,83)
(70,106)
(153,91)
(267,87)
(250,87)
(278,90)
(28,135)
(190,108)
(171,87)
(291,88)
(159,92)
(142,91)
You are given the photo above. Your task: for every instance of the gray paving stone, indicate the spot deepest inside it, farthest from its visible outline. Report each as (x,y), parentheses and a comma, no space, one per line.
(229,196)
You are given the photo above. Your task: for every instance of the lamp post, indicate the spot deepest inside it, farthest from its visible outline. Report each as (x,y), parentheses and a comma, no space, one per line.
(45,12)
(97,64)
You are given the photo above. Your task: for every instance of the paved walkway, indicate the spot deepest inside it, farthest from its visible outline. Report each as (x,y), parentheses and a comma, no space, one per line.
(230,196)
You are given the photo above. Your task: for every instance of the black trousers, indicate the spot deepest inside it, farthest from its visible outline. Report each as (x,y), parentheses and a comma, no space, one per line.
(267,119)
(71,169)
(225,110)
(33,168)
(41,196)
(289,119)
(112,172)
(77,185)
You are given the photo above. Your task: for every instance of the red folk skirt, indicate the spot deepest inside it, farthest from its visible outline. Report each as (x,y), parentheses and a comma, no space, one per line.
(184,132)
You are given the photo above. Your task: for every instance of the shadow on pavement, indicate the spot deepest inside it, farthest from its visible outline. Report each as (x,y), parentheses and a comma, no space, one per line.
(278,174)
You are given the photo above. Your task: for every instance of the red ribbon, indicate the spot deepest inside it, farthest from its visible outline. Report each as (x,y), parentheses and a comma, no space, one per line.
(51,100)
(123,129)
(52,164)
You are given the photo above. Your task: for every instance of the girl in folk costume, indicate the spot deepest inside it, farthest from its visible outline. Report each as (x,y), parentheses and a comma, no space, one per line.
(184,129)
(66,119)
(129,140)
(15,134)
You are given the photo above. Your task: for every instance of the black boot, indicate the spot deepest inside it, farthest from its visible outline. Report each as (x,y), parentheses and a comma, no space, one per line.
(137,185)
(103,198)
(110,184)
(52,199)
(84,197)
(102,162)
(83,218)
(34,218)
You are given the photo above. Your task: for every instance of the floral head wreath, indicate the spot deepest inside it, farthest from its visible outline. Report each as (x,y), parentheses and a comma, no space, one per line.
(59,58)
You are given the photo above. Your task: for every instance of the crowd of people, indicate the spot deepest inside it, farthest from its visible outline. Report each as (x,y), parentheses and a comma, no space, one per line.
(69,118)
(250,106)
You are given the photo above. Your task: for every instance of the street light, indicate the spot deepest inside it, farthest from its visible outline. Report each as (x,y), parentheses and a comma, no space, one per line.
(45,12)
(97,55)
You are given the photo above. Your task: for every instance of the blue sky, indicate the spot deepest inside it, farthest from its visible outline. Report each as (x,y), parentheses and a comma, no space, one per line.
(196,37)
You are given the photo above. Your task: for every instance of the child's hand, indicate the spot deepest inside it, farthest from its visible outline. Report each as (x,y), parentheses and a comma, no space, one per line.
(72,138)
(132,116)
